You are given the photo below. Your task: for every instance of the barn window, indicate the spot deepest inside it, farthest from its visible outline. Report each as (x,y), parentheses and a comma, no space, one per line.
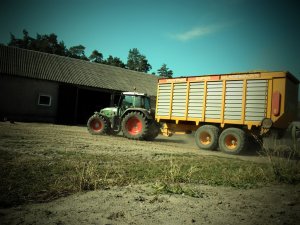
(44,100)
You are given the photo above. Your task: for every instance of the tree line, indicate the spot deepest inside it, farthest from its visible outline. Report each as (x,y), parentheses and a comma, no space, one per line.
(49,43)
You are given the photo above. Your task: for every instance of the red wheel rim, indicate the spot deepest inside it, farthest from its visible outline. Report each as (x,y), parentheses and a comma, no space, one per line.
(231,142)
(96,124)
(134,126)
(205,138)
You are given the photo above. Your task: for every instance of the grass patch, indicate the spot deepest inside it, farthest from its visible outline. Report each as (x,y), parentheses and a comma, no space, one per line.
(26,178)
(44,177)
(283,159)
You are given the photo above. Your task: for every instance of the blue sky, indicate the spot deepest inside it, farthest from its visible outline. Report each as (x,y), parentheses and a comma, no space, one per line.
(192,37)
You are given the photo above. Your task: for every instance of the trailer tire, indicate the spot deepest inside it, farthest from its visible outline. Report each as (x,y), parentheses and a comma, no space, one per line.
(97,125)
(206,137)
(233,141)
(135,126)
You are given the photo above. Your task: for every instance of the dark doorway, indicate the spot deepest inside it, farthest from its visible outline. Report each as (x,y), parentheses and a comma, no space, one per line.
(67,104)
(90,101)
(116,98)
(76,105)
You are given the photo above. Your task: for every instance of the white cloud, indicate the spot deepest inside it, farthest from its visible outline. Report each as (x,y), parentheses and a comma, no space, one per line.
(196,32)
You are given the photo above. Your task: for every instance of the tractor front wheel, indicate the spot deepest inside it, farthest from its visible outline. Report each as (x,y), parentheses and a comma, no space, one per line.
(135,126)
(97,125)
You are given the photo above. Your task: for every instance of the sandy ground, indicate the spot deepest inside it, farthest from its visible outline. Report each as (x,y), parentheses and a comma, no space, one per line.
(137,204)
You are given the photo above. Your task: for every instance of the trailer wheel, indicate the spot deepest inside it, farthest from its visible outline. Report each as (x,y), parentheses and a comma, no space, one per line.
(206,137)
(135,126)
(233,141)
(97,125)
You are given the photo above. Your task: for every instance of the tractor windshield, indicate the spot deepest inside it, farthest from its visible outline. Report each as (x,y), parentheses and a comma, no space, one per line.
(135,101)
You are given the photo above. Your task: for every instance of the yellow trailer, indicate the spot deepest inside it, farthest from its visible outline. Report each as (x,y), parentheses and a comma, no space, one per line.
(224,108)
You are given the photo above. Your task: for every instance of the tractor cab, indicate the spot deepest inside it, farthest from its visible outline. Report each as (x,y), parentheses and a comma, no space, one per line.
(134,100)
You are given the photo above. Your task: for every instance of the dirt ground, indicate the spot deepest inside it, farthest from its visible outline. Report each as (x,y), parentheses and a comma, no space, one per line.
(137,204)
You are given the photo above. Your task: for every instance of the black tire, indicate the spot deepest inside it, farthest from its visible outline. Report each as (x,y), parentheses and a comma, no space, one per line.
(233,141)
(113,132)
(206,137)
(153,131)
(97,125)
(135,126)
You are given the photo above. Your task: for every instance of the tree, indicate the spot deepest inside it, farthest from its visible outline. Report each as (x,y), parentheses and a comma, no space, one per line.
(165,72)
(77,52)
(42,43)
(13,41)
(137,61)
(26,42)
(114,61)
(96,57)
(49,44)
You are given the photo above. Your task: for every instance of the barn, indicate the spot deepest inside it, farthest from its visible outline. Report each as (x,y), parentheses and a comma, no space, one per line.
(41,87)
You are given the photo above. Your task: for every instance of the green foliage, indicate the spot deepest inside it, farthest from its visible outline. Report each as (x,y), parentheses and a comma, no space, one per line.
(77,52)
(165,72)
(96,57)
(114,61)
(42,43)
(47,43)
(138,62)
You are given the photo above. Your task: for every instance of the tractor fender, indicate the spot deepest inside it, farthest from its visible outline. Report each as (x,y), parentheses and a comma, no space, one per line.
(101,114)
(144,111)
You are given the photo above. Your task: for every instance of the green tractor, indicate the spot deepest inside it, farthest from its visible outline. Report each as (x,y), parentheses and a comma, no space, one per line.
(133,116)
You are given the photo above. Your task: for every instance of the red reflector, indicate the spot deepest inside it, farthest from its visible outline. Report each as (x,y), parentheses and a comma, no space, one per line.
(276,99)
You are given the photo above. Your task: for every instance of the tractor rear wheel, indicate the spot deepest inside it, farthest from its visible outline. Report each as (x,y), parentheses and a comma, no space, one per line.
(206,137)
(135,126)
(233,141)
(97,125)
(153,131)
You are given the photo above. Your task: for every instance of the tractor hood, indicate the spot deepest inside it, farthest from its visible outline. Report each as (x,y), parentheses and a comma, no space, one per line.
(109,111)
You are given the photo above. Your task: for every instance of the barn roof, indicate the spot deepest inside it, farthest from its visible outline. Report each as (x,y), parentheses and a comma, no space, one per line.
(44,66)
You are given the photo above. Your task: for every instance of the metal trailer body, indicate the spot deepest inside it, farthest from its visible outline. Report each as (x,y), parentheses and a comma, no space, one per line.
(249,101)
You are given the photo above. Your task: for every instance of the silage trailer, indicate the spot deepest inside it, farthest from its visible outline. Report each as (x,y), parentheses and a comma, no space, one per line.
(224,109)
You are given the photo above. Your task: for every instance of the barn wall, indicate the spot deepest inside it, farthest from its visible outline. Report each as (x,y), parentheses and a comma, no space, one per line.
(70,104)
(19,99)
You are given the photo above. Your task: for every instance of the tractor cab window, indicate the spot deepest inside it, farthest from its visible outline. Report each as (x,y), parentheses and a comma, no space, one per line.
(135,101)
(147,103)
(138,101)
(142,102)
(127,101)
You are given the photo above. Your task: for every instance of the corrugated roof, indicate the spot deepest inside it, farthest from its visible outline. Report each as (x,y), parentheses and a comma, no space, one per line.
(44,66)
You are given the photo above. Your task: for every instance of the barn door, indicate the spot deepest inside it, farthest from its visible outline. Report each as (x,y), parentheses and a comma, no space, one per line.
(67,104)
